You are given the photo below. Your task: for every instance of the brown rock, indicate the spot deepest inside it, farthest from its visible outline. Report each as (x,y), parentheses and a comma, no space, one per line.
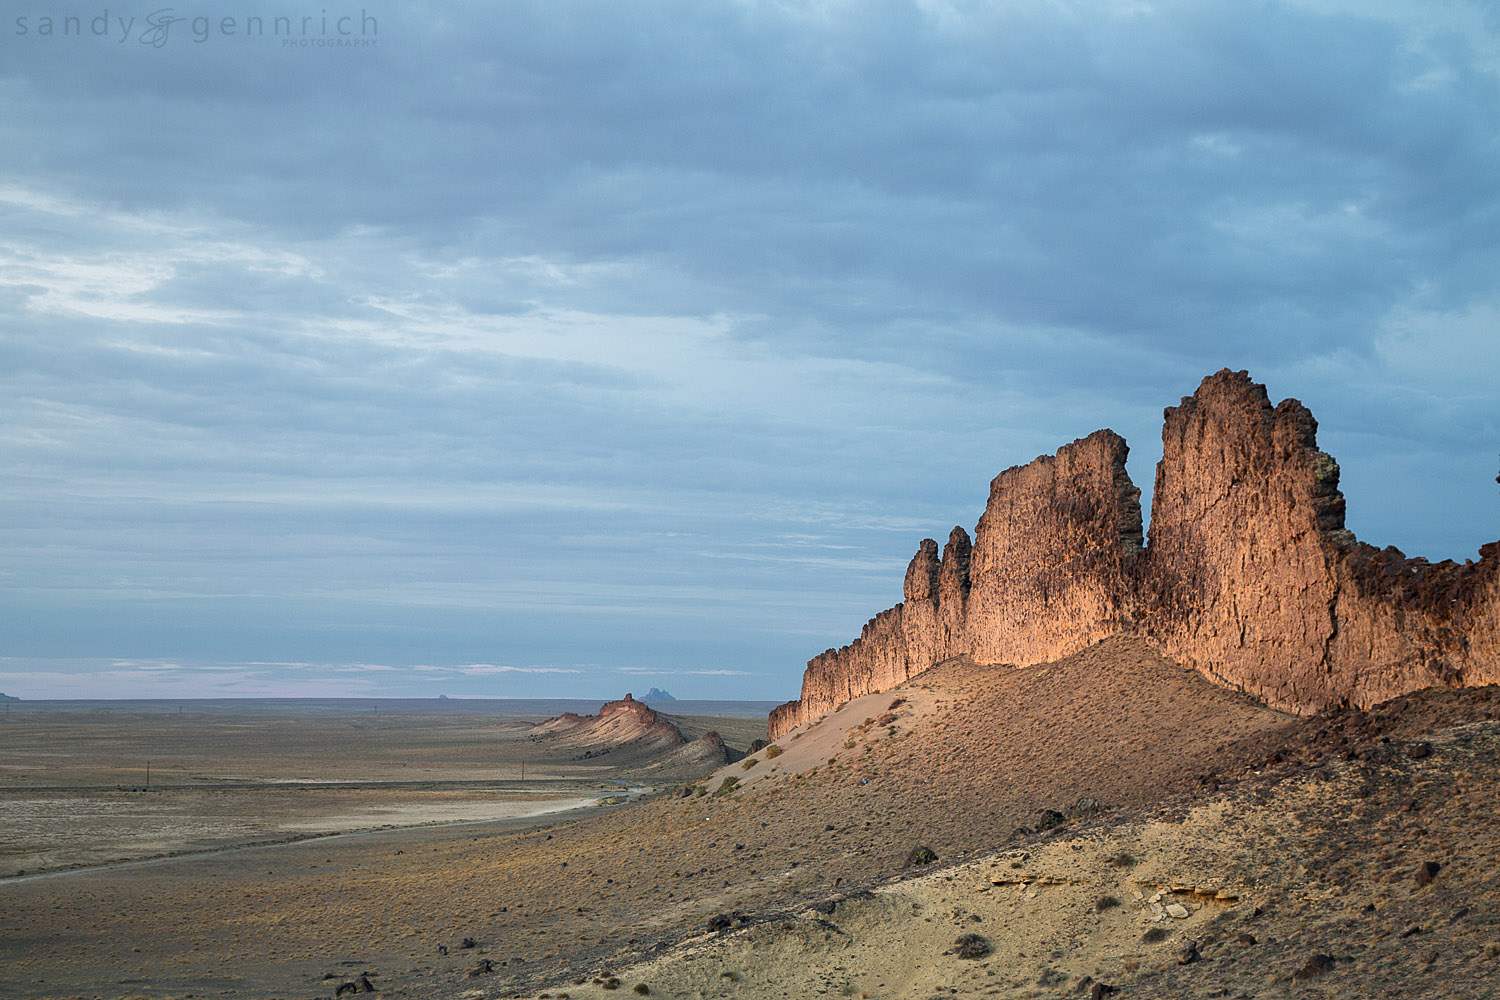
(1250,576)
(1427,872)
(1317,965)
(1049,573)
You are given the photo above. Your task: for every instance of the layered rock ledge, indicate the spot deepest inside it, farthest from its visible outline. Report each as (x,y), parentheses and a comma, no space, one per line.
(1249,575)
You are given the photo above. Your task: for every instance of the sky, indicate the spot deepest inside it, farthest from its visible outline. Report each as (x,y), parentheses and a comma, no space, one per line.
(565,348)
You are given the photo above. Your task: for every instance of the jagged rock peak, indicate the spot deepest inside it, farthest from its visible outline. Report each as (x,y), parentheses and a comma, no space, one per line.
(1249,577)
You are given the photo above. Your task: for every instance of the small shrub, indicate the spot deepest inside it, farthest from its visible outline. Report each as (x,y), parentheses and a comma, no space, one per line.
(773,751)
(610,984)
(640,988)
(749,763)
(971,946)
(727,786)
(886,719)
(895,704)
(921,855)
(1123,860)
(1154,935)
(849,744)
(1106,903)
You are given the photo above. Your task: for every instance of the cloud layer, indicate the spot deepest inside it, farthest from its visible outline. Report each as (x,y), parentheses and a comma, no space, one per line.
(602,339)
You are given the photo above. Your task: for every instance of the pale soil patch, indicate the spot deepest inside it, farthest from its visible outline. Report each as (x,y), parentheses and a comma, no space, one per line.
(72,829)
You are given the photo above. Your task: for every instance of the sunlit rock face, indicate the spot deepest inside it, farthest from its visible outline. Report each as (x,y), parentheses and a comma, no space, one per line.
(1249,577)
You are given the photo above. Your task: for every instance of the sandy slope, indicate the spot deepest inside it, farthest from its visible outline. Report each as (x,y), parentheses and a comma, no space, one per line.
(1289,865)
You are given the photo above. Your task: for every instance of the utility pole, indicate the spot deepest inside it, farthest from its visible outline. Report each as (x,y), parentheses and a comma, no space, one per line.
(148,774)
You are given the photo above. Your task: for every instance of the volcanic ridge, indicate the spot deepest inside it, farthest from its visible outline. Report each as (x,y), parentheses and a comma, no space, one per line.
(1249,577)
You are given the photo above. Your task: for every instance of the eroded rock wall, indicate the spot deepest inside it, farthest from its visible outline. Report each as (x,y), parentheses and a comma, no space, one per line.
(1250,576)
(1239,578)
(926,628)
(1051,568)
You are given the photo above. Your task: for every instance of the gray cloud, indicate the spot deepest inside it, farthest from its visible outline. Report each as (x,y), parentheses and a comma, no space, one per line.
(653,336)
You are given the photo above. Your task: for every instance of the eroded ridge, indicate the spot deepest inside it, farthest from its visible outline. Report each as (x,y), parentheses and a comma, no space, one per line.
(1249,576)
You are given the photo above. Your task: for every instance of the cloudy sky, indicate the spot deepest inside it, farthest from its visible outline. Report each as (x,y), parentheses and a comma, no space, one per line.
(564,348)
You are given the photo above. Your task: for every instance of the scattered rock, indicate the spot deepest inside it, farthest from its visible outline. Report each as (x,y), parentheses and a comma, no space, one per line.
(1427,872)
(1419,749)
(1047,819)
(1102,990)
(1188,953)
(1177,910)
(484,968)
(719,922)
(1318,965)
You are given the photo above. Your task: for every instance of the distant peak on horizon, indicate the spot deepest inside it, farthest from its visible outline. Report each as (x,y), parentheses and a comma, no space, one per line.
(656,694)
(7,697)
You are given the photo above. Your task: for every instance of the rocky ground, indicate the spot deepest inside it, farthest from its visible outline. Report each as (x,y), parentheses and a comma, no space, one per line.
(1365,877)
(1043,793)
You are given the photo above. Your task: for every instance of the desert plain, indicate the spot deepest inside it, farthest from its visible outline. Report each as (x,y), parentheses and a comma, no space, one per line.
(1109,823)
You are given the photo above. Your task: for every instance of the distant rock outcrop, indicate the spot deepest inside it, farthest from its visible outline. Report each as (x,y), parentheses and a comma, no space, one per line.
(1249,576)
(6,697)
(657,694)
(629,734)
(626,721)
(708,752)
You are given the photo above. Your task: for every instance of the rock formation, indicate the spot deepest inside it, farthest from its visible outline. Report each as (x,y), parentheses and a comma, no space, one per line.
(1249,576)
(707,753)
(627,733)
(626,721)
